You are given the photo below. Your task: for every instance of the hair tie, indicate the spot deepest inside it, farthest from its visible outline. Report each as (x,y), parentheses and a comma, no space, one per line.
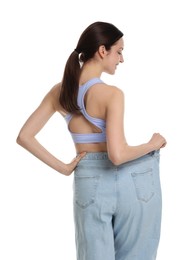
(77,51)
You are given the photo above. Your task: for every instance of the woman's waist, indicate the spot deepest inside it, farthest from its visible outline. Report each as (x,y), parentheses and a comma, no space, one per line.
(101,158)
(91,148)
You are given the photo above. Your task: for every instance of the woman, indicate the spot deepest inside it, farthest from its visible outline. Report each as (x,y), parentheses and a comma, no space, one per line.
(117,195)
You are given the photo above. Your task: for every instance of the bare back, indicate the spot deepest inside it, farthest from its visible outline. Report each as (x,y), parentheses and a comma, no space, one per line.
(96,101)
(95,104)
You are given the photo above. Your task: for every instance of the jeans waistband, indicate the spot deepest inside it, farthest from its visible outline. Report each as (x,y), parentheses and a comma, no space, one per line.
(104,156)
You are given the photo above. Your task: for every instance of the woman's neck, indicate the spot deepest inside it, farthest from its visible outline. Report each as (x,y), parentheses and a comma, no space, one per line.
(90,70)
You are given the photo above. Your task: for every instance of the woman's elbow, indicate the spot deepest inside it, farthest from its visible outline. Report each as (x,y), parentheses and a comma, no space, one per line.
(21,139)
(118,156)
(116,159)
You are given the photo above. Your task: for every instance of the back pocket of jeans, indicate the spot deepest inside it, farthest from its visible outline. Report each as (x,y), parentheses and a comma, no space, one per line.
(85,190)
(144,184)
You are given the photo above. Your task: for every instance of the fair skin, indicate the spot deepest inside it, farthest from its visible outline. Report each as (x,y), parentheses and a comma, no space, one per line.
(109,108)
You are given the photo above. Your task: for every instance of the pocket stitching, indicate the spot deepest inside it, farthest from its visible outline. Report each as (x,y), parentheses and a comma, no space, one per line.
(140,184)
(91,200)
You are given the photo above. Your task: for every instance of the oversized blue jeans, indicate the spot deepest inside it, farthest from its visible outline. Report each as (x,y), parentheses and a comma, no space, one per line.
(117,209)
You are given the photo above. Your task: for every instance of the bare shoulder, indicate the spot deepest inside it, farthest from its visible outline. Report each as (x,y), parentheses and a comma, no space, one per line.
(106,89)
(109,93)
(115,91)
(55,91)
(53,96)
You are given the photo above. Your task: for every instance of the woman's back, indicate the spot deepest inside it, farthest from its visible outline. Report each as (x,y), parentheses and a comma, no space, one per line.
(100,125)
(88,129)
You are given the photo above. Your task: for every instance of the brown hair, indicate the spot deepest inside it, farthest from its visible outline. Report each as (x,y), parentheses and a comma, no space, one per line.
(95,35)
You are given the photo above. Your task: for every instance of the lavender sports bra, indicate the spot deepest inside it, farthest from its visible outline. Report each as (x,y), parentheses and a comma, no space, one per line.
(100,123)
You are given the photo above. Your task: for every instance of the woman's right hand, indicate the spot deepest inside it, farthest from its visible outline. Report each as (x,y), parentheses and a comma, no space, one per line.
(157,141)
(70,167)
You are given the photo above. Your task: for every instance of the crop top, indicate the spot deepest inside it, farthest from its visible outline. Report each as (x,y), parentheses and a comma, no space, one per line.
(99,123)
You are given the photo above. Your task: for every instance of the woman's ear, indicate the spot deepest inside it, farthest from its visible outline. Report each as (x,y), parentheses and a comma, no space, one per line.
(102,51)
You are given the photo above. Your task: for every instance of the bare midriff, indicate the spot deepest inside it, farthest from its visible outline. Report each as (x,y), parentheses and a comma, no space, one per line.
(91,148)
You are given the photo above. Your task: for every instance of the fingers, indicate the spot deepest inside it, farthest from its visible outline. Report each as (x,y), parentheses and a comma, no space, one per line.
(82,154)
(158,141)
(79,157)
(71,166)
(164,144)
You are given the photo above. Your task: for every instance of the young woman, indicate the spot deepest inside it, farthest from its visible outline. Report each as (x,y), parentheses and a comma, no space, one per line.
(117,195)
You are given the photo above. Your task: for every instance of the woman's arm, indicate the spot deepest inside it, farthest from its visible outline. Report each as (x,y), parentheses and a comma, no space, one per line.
(26,137)
(118,149)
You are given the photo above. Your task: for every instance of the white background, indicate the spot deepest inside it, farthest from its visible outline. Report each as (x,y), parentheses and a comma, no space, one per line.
(36,217)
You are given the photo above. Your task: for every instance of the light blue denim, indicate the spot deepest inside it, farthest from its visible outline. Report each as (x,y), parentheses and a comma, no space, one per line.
(117,209)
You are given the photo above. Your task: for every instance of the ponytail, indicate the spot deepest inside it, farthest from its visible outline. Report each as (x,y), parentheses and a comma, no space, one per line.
(95,35)
(70,84)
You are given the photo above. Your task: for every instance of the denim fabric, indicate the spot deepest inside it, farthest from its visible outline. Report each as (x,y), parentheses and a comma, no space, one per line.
(117,209)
